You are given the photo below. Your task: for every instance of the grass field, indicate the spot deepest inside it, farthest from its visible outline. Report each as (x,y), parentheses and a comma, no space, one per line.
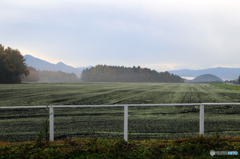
(231,87)
(159,123)
(162,122)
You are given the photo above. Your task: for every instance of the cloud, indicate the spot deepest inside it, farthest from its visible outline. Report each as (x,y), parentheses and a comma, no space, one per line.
(161,35)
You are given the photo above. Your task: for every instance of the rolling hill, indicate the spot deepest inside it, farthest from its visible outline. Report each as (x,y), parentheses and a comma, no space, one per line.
(207,78)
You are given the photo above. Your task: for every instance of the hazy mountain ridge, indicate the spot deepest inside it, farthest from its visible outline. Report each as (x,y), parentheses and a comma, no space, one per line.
(60,66)
(221,72)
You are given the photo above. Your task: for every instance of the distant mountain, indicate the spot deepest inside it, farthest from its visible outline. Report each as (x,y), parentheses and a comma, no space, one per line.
(207,78)
(44,65)
(221,72)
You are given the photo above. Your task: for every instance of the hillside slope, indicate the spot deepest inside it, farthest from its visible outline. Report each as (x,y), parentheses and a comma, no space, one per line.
(207,78)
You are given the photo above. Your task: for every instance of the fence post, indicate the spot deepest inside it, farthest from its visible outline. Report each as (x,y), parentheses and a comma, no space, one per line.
(126,122)
(201,125)
(51,123)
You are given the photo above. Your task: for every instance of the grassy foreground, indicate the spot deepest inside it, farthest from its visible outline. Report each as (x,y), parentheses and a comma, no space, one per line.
(194,147)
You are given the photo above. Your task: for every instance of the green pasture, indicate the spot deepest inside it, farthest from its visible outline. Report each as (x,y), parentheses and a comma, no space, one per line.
(234,87)
(158,122)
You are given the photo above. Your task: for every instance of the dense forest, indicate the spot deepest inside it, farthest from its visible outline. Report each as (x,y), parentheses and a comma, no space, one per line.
(12,65)
(103,73)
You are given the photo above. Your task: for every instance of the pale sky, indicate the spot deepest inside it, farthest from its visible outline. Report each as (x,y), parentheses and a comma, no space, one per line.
(157,34)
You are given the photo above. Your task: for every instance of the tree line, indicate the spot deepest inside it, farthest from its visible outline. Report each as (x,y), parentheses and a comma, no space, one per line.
(233,81)
(32,77)
(103,73)
(49,76)
(57,76)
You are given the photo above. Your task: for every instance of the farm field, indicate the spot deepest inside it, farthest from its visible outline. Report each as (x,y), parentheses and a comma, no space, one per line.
(18,125)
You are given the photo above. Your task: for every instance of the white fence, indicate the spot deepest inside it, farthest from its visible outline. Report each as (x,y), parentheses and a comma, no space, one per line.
(51,113)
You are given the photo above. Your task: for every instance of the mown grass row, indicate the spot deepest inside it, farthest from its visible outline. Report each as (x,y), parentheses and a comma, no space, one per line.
(193,147)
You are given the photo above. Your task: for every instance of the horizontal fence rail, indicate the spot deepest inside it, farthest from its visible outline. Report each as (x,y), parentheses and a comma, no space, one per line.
(51,113)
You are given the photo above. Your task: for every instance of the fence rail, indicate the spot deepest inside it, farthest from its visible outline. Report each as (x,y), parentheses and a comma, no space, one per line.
(51,113)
